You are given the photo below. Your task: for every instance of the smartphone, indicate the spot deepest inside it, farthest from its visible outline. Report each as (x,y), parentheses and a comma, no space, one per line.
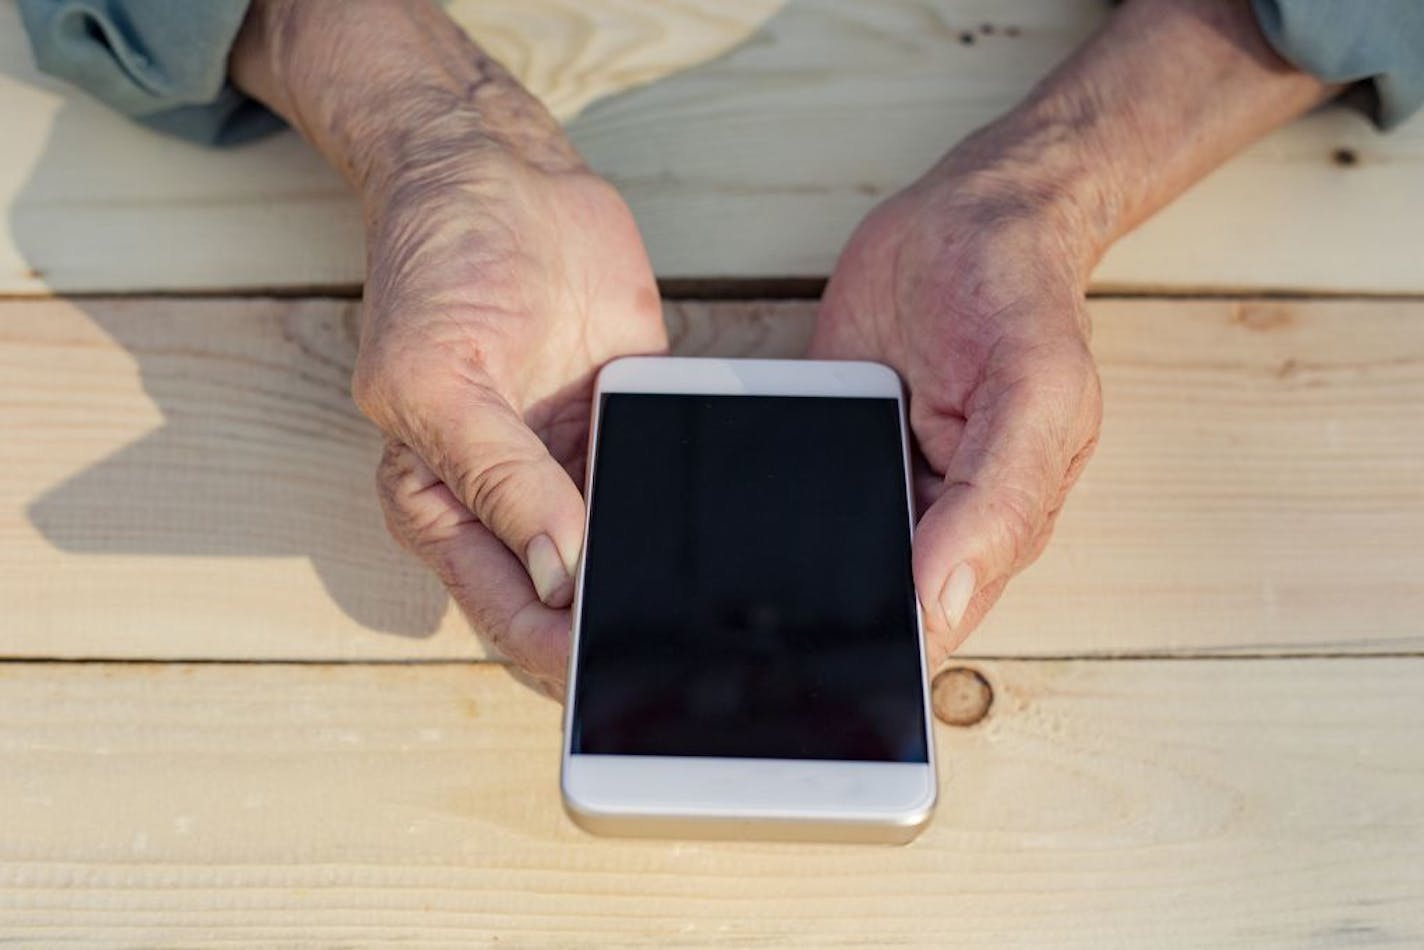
(748,654)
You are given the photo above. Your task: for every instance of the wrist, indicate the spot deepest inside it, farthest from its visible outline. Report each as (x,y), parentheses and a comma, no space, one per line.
(1166,91)
(389,91)
(1036,165)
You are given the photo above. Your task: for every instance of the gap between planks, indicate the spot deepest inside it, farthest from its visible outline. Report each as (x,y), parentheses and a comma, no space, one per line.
(956,660)
(677,290)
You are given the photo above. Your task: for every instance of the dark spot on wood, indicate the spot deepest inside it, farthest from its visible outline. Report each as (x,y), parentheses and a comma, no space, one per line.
(1353,932)
(1345,157)
(961,696)
(987,29)
(1011,31)
(966,38)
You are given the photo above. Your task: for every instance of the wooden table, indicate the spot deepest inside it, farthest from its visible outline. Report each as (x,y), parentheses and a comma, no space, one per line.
(232,712)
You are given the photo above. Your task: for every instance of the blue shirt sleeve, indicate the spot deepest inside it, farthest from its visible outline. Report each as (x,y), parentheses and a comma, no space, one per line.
(162,62)
(1346,41)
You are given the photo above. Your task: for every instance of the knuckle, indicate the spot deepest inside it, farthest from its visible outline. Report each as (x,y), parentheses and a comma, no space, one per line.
(398,524)
(397,463)
(493,489)
(1036,547)
(1019,512)
(416,509)
(391,474)
(400,475)
(1011,515)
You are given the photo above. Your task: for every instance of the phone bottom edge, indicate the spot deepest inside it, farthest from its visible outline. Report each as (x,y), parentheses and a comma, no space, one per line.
(717,828)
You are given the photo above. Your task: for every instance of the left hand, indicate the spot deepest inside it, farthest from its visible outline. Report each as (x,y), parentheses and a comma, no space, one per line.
(973,289)
(501,274)
(497,286)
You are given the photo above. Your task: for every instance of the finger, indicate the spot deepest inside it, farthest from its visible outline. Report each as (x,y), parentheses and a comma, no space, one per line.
(486,580)
(480,447)
(1028,433)
(941,648)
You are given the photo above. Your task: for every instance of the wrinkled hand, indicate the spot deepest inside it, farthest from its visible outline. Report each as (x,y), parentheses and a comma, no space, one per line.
(497,285)
(973,291)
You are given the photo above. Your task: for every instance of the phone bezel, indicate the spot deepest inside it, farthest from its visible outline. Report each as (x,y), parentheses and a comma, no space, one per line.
(787,797)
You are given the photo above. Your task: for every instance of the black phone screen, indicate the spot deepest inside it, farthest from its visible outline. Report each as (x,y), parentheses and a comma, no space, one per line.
(747,590)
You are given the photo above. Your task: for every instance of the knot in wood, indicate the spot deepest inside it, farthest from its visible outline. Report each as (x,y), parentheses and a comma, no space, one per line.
(961,696)
(1345,157)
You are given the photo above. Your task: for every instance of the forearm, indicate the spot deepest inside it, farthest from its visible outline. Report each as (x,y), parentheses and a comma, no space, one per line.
(1164,93)
(381,87)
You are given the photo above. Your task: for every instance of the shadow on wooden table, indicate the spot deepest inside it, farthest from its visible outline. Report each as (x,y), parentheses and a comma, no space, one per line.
(261,455)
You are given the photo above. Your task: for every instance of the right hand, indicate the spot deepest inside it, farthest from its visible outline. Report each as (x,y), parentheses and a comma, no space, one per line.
(500,277)
(971,284)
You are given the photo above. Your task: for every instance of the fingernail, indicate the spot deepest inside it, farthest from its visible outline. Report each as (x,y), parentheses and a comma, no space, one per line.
(955,597)
(546,568)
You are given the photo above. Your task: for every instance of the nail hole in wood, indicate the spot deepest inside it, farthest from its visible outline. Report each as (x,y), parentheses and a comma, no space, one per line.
(961,696)
(966,38)
(1345,157)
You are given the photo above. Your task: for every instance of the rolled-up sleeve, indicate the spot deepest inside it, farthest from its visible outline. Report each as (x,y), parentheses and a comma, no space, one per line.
(1340,41)
(162,62)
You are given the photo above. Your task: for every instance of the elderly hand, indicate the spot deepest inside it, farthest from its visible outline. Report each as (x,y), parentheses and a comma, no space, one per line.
(971,286)
(501,274)
(497,286)
(970,282)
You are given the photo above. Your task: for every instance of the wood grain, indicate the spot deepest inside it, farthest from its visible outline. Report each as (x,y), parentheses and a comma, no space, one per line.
(757,163)
(1238,803)
(188,479)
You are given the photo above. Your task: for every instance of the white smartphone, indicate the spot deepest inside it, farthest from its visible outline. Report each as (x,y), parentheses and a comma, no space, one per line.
(748,656)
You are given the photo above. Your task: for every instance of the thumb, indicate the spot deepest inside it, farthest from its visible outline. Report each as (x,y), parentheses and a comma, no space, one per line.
(483,451)
(1020,451)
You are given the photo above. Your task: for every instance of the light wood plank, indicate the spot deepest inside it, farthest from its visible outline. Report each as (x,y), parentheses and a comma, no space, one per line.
(756,164)
(188,478)
(1246,803)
